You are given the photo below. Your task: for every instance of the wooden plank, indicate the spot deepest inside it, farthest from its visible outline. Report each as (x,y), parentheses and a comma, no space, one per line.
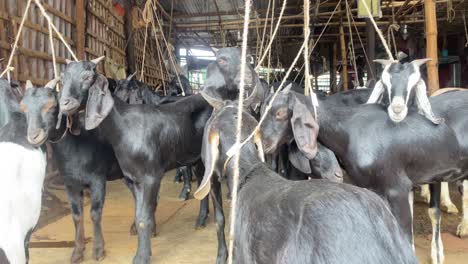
(57,13)
(102,20)
(80,28)
(39,28)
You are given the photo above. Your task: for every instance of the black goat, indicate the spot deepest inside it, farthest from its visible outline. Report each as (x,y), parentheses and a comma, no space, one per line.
(281,221)
(147,140)
(377,153)
(82,161)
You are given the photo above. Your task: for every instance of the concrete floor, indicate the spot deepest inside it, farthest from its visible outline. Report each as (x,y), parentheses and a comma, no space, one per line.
(177,242)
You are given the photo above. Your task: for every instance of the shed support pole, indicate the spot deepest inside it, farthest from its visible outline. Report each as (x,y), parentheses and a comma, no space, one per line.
(332,63)
(130,50)
(431,44)
(344,62)
(80,29)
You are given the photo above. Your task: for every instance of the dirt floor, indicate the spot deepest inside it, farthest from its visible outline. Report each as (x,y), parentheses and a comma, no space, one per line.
(177,240)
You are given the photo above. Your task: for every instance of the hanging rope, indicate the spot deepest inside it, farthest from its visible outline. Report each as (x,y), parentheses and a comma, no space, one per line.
(54,59)
(169,49)
(271,33)
(264,28)
(351,45)
(8,67)
(320,36)
(450,11)
(234,149)
(389,53)
(240,108)
(466,30)
(360,41)
(272,37)
(146,15)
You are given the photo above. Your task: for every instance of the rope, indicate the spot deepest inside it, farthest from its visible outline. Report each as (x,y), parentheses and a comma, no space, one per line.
(352,53)
(393,27)
(54,59)
(168,49)
(466,30)
(8,67)
(264,27)
(239,127)
(55,29)
(144,54)
(360,41)
(450,11)
(389,53)
(320,36)
(271,33)
(274,34)
(146,15)
(234,149)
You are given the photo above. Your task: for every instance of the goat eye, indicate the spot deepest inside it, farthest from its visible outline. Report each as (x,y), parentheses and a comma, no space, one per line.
(221,61)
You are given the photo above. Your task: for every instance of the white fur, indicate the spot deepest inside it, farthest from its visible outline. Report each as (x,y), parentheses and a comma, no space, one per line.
(386,79)
(22,173)
(411,203)
(463,226)
(413,79)
(437,248)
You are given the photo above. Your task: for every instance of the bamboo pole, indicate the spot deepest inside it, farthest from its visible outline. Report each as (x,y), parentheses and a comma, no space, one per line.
(80,29)
(344,62)
(431,45)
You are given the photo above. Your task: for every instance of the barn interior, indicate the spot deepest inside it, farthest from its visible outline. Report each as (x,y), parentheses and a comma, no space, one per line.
(162,40)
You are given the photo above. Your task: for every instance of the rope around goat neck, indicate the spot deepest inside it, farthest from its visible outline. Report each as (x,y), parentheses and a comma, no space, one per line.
(239,128)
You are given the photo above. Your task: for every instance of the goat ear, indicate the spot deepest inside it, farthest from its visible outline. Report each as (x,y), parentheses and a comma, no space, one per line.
(298,160)
(131,76)
(29,85)
(287,89)
(384,62)
(259,143)
(305,129)
(51,84)
(68,61)
(98,60)
(210,157)
(421,62)
(376,94)
(100,103)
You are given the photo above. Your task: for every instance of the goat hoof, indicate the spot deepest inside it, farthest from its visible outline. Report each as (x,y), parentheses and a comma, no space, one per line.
(77,256)
(449,208)
(184,195)
(462,230)
(201,223)
(133,230)
(155,232)
(141,259)
(99,254)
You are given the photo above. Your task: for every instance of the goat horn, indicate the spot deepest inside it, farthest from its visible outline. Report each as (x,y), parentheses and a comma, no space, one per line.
(287,89)
(98,60)
(420,62)
(29,85)
(250,100)
(51,84)
(130,77)
(213,101)
(68,61)
(272,90)
(384,62)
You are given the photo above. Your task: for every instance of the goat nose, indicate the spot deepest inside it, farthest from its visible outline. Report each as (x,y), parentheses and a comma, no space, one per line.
(397,108)
(35,133)
(66,101)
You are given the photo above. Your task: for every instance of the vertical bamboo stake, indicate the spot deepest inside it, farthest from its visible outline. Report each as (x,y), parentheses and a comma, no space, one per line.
(344,62)
(431,45)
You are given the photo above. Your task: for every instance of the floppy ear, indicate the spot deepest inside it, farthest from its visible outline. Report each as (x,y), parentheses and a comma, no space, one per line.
(211,154)
(258,142)
(420,62)
(299,160)
(305,129)
(100,103)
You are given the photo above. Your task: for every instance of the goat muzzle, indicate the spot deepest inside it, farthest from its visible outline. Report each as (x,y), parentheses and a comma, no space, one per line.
(69,106)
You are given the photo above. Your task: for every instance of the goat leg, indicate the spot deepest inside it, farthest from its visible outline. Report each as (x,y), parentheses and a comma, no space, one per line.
(131,187)
(146,194)
(98,192)
(462,230)
(76,201)
(437,248)
(217,200)
(204,204)
(186,172)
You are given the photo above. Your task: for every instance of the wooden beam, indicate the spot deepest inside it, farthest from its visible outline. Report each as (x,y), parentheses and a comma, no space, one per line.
(333,67)
(431,45)
(80,16)
(130,49)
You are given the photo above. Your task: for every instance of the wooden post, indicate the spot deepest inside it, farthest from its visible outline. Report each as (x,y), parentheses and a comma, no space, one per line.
(332,63)
(344,62)
(80,19)
(130,51)
(431,46)
(370,32)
